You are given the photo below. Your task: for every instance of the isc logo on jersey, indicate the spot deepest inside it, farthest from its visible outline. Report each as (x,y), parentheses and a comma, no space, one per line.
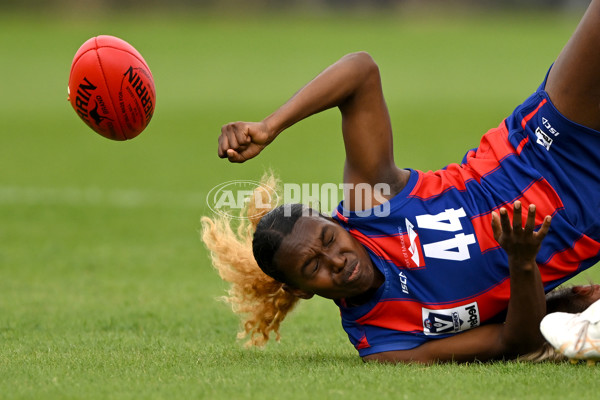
(450,320)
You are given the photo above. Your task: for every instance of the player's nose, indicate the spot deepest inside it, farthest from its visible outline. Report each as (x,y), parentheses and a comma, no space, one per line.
(336,260)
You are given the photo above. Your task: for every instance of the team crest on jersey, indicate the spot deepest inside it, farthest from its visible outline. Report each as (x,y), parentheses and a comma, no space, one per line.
(412,251)
(450,320)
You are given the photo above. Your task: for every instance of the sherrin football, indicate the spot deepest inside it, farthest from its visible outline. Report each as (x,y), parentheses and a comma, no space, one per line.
(111,88)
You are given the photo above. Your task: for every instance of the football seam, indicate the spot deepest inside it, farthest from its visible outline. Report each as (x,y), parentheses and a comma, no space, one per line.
(118,120)
(76,60)
(128,52)
(117,48)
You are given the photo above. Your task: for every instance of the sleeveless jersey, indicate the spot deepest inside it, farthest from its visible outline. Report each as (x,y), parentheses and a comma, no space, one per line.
(444,271)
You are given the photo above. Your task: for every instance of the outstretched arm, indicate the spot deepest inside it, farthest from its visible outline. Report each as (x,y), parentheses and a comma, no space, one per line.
(527,304)
(353,85)
(520,332)
(574,81)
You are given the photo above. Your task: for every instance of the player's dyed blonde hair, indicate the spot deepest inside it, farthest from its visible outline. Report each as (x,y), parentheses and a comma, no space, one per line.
(259,300)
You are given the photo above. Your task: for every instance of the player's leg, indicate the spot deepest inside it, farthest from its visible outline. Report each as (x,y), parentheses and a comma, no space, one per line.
(574,81)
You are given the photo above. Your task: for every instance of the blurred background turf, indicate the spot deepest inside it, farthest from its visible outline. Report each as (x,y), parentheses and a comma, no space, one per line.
(105,287)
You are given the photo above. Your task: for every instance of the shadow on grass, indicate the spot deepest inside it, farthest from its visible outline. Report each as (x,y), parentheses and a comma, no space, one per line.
(238,356)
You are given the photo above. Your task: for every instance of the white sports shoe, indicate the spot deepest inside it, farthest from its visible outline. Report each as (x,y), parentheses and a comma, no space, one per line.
(577,336)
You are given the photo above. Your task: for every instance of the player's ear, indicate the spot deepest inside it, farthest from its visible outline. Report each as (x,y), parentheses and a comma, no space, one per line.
(297,292)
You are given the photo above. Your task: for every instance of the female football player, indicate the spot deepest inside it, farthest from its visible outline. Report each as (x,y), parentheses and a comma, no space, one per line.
(441,267)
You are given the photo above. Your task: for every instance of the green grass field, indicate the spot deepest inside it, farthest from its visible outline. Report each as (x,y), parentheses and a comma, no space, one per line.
(106,290)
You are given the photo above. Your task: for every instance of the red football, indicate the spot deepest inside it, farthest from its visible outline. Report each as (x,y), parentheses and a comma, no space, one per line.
(111,88)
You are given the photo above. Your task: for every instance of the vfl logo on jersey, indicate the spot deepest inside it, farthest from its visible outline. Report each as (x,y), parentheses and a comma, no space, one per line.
(450,320)
(543,139)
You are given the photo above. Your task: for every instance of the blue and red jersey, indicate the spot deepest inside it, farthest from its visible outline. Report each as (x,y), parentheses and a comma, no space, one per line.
(444,272)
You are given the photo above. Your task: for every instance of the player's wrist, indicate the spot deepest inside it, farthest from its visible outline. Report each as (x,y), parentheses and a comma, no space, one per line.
(522,264)
(272,127)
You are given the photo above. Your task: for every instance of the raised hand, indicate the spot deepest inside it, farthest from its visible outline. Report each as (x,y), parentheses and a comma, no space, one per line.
(520,242)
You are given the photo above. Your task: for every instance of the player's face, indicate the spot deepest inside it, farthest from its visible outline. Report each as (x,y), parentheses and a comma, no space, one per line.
(320,257)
